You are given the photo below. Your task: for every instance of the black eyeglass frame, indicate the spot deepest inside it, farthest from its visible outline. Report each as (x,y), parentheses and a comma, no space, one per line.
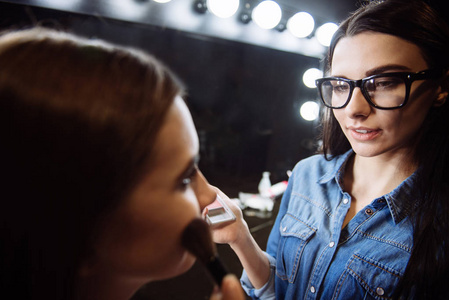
(408,78)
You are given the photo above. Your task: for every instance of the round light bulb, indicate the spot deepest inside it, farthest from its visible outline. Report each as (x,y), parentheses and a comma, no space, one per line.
(267,14)
(301,24)
(325,32)
(310,76)
(310,111)
(223,8)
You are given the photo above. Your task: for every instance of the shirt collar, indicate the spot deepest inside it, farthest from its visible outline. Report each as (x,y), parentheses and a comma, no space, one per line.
(335,168)
(399,200)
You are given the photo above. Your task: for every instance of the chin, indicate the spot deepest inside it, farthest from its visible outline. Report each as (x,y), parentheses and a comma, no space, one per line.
(177,267)
(187,263)
(365,150)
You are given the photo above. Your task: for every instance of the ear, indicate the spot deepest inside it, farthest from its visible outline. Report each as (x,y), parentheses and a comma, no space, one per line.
(443,91)
(441,99)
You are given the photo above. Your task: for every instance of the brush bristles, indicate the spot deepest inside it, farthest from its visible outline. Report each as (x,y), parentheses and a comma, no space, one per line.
(197,239)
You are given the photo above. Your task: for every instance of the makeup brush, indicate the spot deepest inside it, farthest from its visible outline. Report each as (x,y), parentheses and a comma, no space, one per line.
(197,239)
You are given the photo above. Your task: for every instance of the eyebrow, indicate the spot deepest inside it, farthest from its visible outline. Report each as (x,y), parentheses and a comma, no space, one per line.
(382,69)
(387,68)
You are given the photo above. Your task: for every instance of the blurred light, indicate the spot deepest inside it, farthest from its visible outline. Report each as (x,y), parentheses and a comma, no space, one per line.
(68,4)
(245,18)
(267,14)
(200,6)
(281,27)
(180,15)
(301,24)
(124,10)
(309,111)
(310,76)
(223,8)
(161,1)
(325,32)
(225,28)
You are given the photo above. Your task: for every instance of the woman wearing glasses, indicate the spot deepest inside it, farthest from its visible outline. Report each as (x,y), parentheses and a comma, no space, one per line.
(368,218)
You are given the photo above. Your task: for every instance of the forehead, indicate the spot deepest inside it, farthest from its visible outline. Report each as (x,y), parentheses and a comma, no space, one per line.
(176,142)
(369,50)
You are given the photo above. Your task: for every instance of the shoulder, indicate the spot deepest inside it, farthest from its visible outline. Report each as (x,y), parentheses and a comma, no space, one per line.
(317,166)
(314,160)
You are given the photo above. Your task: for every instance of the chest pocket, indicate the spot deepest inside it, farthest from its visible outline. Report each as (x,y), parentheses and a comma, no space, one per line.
(369,278)
(294,236)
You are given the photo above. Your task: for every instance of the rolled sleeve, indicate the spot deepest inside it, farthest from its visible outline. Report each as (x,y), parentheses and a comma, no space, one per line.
(266,292)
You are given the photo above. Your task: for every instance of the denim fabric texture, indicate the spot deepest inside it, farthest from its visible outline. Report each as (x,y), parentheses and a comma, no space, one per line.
(313,257)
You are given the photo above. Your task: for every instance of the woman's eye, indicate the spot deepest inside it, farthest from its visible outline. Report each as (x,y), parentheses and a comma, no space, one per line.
(341,88)
(381,83)
(187,181)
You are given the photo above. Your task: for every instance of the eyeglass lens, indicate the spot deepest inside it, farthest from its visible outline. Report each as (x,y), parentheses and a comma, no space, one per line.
(382,91)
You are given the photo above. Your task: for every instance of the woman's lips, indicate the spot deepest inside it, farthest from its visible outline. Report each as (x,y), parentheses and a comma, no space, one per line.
(364,134)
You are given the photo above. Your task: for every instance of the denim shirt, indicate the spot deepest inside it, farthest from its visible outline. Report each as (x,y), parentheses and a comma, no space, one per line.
(313,257)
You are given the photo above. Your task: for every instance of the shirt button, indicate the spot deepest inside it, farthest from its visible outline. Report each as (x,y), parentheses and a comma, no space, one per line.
(345,201)
(331,244)
(312,289)
(380,291)
(284,229)
(369,211)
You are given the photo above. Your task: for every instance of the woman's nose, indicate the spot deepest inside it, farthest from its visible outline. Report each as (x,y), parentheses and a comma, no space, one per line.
(358,106)
(205,193)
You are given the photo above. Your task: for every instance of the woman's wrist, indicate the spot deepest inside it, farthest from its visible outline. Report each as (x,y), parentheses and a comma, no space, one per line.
(241,239)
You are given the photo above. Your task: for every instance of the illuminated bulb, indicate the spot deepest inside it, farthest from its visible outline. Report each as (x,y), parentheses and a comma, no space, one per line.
(325,32)
(161,1)
(267,14)
(310,76)
(301,24)
(309,111)
(223,8)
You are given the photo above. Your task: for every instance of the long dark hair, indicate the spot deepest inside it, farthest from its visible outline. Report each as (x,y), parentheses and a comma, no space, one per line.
(78,119)
(416,22)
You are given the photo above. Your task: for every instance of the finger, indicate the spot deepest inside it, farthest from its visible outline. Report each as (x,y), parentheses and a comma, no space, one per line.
(205,212)
(216,294)
(231,288)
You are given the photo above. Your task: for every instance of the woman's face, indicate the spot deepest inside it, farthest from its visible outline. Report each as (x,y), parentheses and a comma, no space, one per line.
(372,132)
(141,238)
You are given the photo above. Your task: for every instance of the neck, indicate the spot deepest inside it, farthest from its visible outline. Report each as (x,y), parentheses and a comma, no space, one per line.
(106,285)
(373,177)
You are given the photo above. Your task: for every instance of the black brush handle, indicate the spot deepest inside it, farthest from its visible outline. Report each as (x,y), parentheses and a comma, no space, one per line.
(217,269)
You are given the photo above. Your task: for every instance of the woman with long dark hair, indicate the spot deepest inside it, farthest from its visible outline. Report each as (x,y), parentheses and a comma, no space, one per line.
(368,218)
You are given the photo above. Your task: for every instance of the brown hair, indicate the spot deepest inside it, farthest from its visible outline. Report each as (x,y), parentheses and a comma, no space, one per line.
(78,124)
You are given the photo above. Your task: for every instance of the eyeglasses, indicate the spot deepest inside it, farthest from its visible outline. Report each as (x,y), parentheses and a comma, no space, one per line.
(382,91)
